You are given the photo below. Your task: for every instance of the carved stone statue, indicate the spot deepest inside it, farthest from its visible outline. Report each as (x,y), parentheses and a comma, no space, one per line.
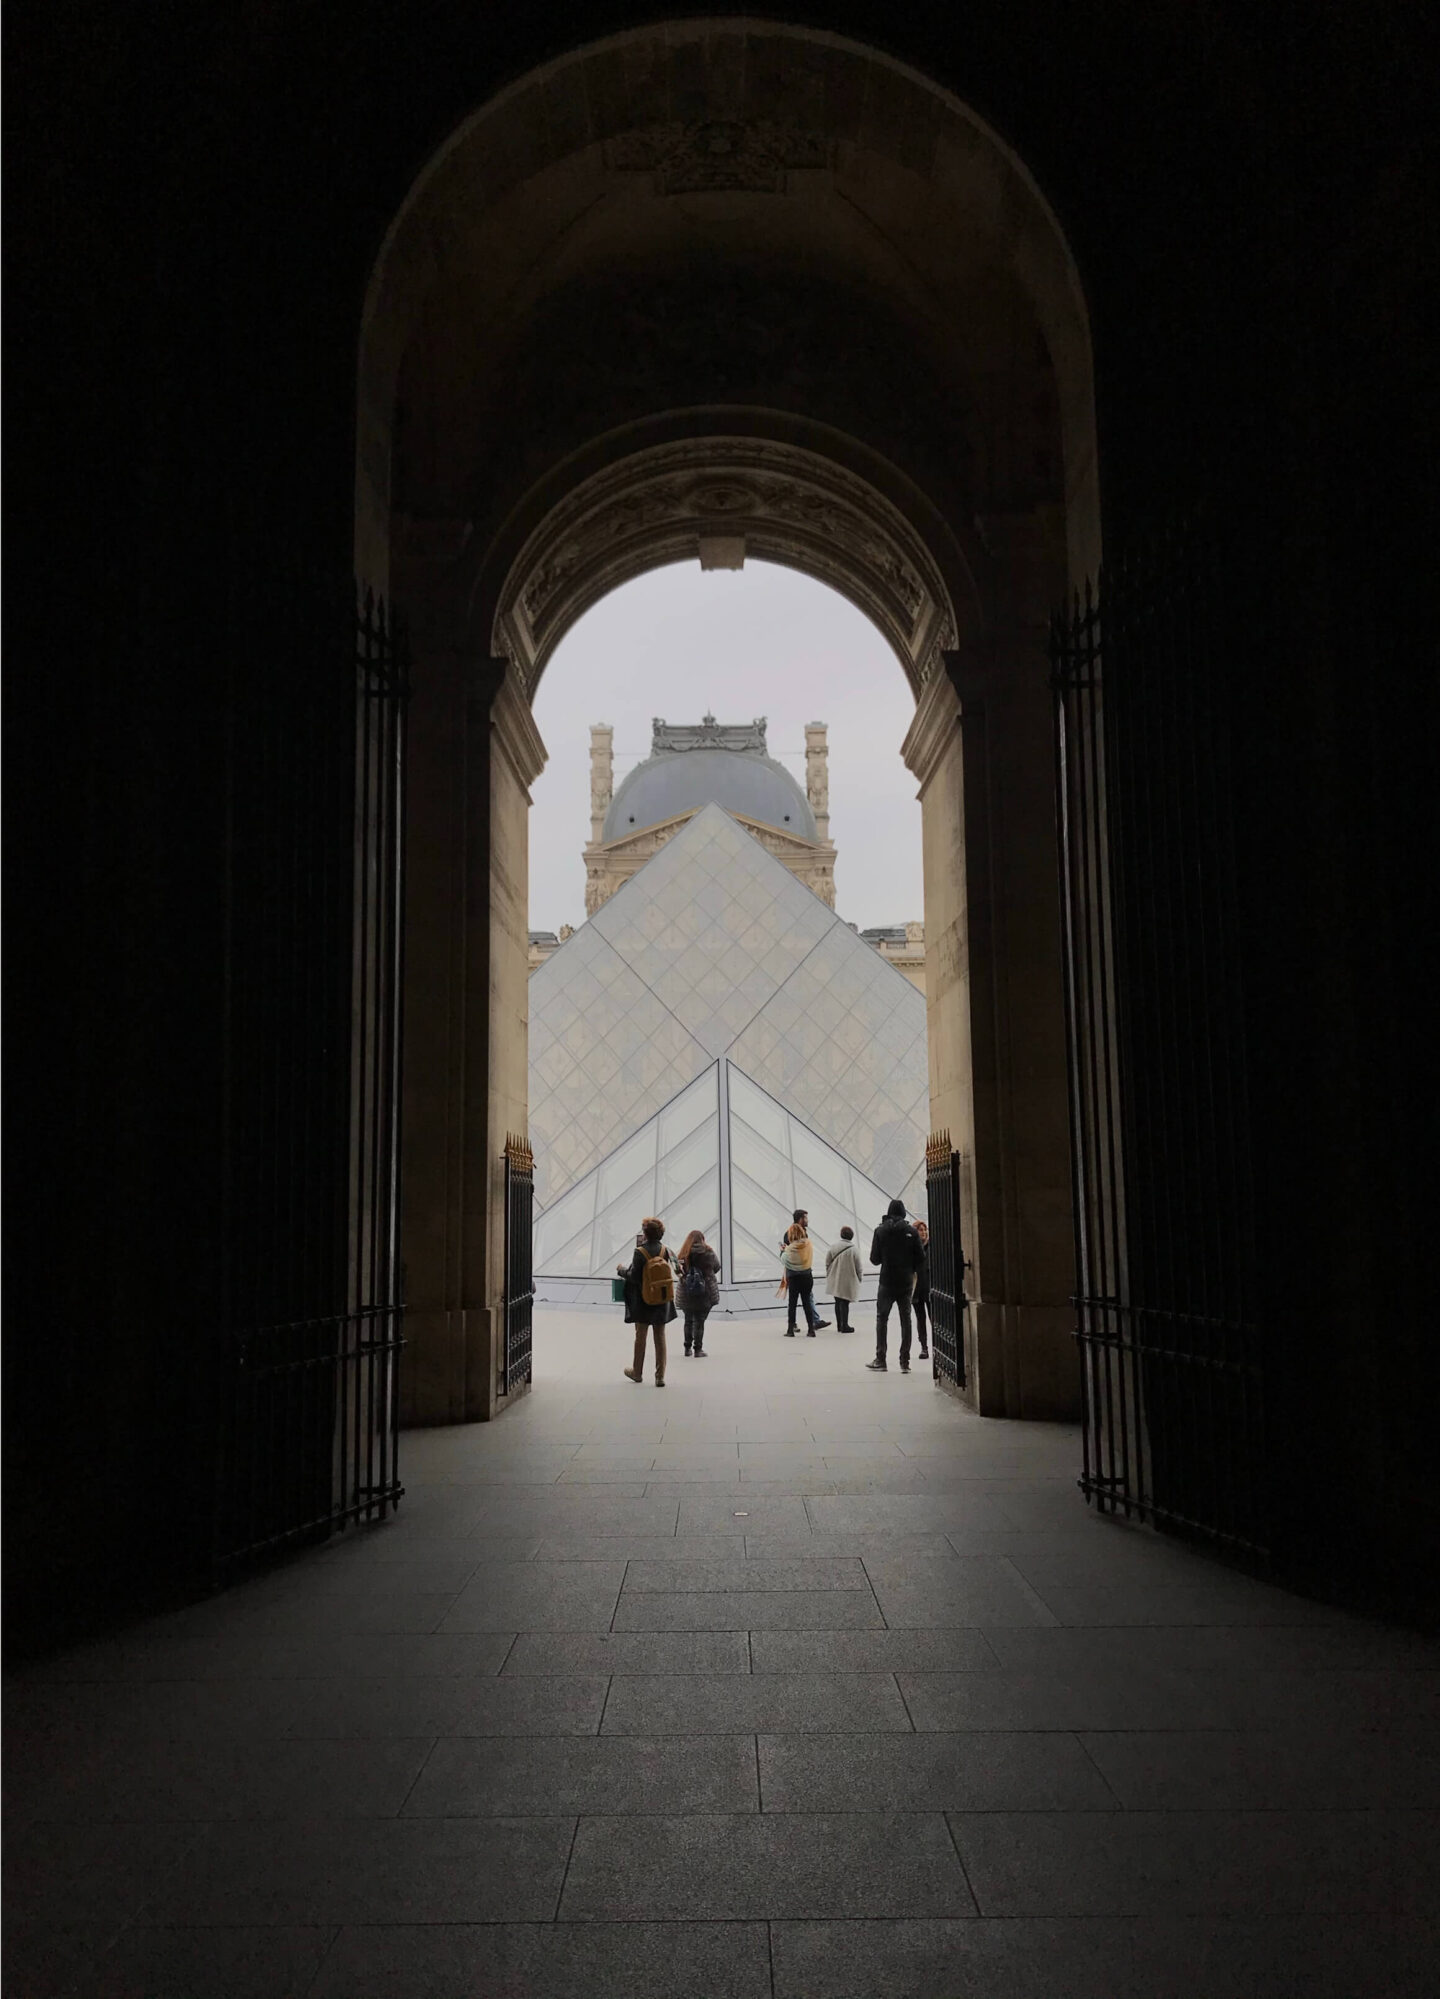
(707,734)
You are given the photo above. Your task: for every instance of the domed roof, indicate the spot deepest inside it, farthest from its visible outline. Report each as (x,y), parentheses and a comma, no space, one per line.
(743,782)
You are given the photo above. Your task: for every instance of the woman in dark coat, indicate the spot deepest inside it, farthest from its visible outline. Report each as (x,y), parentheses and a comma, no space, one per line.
(699,1289)
(646,1318)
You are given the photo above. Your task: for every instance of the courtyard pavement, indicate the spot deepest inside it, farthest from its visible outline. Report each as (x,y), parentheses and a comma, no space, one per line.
(785,1682)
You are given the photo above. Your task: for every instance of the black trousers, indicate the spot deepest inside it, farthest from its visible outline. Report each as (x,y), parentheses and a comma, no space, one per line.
(883,1301)
(800,1284)
(842,1315)
(922,1326)
(695,1317)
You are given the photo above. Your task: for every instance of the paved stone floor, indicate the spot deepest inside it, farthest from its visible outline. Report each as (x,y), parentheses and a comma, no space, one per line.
(788,1680)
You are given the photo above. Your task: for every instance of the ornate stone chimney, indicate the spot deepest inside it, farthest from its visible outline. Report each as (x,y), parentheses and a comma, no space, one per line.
(817,776)
(602,776)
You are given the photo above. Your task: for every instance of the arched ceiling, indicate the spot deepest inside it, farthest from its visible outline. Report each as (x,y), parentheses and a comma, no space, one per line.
(722,211)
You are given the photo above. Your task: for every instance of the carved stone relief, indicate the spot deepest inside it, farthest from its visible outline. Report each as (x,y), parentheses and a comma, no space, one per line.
(796,507)
(718,155)
(707,734)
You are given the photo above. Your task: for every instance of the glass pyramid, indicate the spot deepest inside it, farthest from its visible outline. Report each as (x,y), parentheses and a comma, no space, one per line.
(714,952)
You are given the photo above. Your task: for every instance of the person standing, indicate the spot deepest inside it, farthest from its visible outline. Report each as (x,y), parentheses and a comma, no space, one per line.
(896,1249)
(797,1255)
(922,1291)
(843,1275)
(699,1289)
(650,1297)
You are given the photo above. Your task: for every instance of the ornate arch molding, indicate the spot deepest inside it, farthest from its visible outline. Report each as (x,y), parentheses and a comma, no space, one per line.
(698,111)
(721,500)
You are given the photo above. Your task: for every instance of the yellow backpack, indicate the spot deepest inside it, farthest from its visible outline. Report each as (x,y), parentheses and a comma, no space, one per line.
(657,1285)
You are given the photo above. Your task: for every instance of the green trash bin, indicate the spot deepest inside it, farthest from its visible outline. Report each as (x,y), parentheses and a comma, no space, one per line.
(617,1290)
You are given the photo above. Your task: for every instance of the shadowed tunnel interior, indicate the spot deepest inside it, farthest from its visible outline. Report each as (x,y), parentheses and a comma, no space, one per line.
(467,319)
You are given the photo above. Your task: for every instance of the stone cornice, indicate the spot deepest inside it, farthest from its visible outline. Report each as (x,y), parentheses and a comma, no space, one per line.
(513,726)
(937,720)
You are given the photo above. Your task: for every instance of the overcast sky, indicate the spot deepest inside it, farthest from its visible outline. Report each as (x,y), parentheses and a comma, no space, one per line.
(682,642)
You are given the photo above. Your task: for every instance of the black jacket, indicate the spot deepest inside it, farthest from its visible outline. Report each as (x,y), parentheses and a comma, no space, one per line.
(703,1259)
(898,1251)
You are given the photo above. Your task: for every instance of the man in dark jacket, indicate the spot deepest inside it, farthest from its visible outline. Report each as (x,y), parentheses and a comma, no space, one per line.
(896,1249)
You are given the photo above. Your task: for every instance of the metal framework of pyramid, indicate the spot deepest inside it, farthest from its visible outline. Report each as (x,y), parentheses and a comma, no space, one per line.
(717,1047)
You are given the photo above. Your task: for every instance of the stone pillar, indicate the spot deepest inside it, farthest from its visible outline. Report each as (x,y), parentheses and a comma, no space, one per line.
(934,750)
(981,747)
(517,756)
(473,750)
(602,776)
(817,776)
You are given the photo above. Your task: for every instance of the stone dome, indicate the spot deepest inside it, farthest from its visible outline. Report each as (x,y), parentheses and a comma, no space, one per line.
(749,785)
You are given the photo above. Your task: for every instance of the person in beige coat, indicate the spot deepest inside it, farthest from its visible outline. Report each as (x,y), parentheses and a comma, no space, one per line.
(843,1274)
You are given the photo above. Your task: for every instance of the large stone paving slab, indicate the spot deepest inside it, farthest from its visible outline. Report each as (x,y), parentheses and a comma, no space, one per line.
(630,1652)
(749,1610)
(773,1865)
(975,1772)
(319,1870)
(466,1778)
(640,1960)
(838,1704)
(538,1596)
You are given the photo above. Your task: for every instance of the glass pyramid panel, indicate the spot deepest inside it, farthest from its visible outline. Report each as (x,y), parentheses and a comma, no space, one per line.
(684,1165)
(619,1222)
(562,1233)
(752,1261)
(768,1182)
(689,1110)
(672,1163)
(629,1163)
(759,1111)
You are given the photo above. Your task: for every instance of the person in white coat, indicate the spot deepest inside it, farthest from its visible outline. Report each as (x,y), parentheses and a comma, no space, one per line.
(843,1273)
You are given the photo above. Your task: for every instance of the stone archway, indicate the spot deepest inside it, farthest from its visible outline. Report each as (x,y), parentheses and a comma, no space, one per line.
(718,500)
(706,289)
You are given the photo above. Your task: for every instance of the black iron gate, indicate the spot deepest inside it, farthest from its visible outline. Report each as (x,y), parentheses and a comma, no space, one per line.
(947,1260)
(519,1262)
(305,1382)
(1170,1348)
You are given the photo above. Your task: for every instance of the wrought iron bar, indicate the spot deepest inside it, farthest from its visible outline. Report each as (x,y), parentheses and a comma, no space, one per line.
(519,1263)
(1171,1355)
(947,1260)
(312,1315)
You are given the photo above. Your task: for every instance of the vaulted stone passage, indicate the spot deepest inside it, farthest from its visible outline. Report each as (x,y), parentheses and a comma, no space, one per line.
(716,293)
(836,1687)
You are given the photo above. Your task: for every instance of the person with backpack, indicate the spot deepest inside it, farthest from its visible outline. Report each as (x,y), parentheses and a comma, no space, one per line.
(896,1248)
(797,1258)
(699,1289)
(650,1297)
(843,1275)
